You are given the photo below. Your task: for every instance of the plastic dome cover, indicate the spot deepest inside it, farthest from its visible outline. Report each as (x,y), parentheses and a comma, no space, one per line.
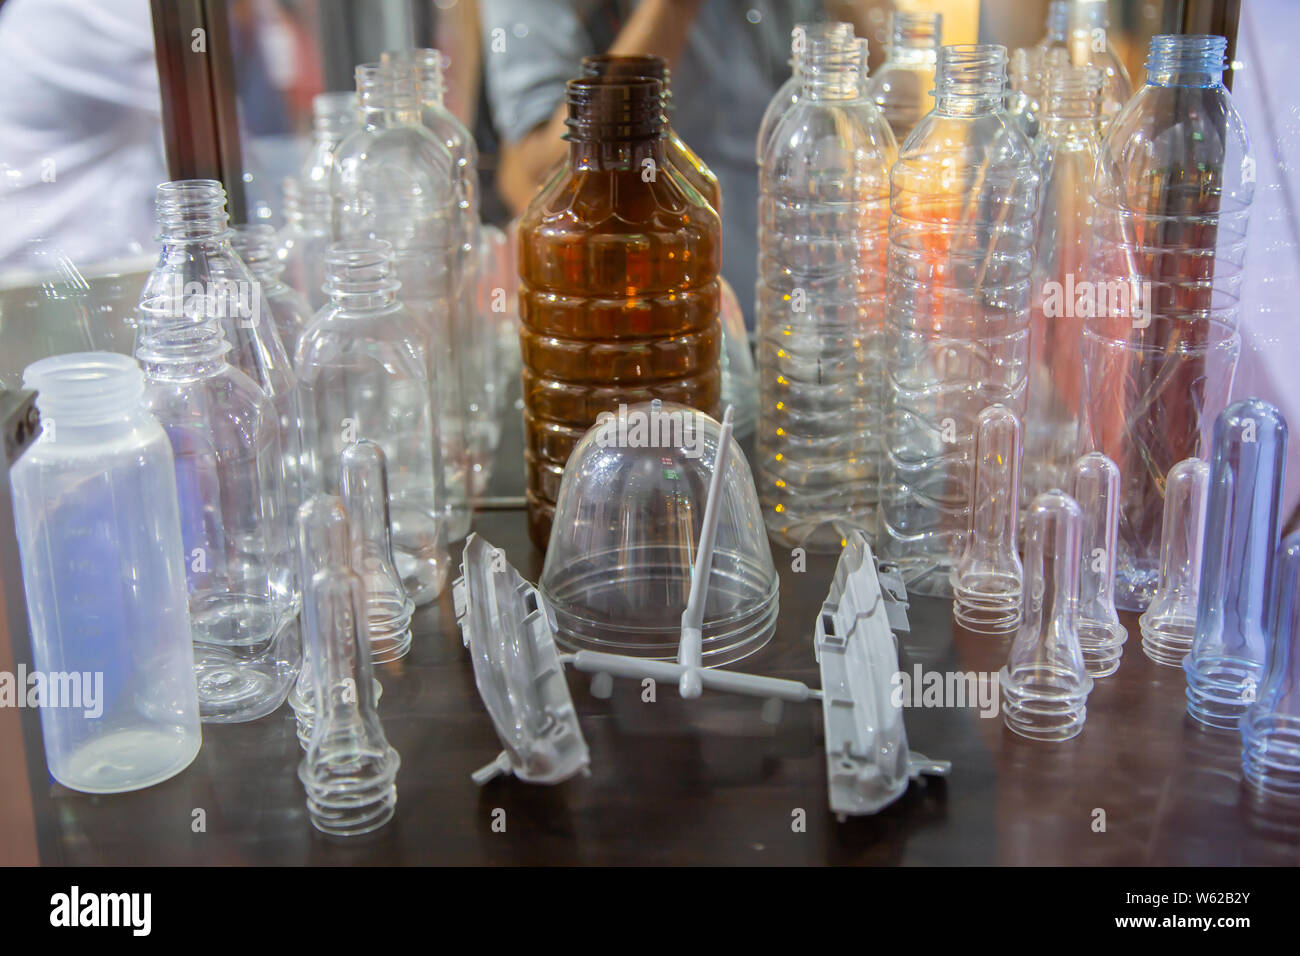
(627,525)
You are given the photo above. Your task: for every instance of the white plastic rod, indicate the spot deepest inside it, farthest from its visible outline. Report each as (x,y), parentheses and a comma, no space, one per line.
(729,682)
(690,649)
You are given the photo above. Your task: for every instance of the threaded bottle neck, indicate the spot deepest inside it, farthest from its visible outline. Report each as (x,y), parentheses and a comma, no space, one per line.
(970,78)
(642,66)
(255,245)
(915,36)
(173,345)
(426,65)
(1186,60)
(388,96)
(359,274)
(1073,92)
(831,69)
(82,388)
(614,110)
(191,210)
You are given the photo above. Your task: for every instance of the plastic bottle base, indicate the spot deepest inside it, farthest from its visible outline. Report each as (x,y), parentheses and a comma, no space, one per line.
(1167,643)
(231,694)
(127,760)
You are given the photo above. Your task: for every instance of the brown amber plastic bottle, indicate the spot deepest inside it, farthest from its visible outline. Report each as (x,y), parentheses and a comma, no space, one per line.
(680,156)
(618,265)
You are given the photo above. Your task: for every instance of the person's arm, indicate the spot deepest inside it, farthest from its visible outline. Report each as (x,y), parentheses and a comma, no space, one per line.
(656,26)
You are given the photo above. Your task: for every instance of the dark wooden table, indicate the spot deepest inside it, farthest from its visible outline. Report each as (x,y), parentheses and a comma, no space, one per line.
(708,781)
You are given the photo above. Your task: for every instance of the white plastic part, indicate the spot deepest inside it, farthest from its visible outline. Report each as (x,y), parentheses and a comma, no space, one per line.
(868,764)
(510,634)
(690,652)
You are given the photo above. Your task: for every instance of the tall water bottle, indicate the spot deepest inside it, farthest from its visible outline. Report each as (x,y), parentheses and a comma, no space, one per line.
(823,214)
(962,200)
(394,180)
(1172,190)
(788,95)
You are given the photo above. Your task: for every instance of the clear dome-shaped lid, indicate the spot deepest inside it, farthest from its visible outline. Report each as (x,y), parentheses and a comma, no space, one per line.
(626,532)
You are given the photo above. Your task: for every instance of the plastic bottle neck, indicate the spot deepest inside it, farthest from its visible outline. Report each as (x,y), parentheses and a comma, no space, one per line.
(1058,23)
(830,70)
(85,389)
(388,96)
(358,276)
(971,79)
(615,123)
(1073,95)
(172,347)
(1186,60)
(192,210)
(914,39)
(255,245)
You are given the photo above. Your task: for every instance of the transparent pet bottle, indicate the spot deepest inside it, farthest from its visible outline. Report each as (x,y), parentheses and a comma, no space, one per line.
(363,486)
(1270,731)
(234,520)
(333,117)
(1088,43)
(792,89)
(323,539)
(363,371)
(1044,684)
(302,241)
(1066,154)
(1172,193)
(823,216)
(963,199)
(987,580)
(1024,95)
(473,345)
(100,546)
(1094,484)
(903,86)
(1169,624)
(1226,662)
(394,180)
(199,270)
(290,311)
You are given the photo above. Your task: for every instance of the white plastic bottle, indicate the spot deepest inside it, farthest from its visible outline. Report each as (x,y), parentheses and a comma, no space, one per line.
(99,537)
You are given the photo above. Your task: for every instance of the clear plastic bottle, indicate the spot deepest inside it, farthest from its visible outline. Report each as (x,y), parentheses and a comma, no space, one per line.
(394,180)
(199,270)
(474,353)
(788,95)
(1089,44)
(100,546)
(823,216)
(1172,193)
(963,200)
(1025,82)
(903,86)
(1270,730)
(303,239)
(290,311)
(333,117)
(363,373)
(1066,154)
(229,474)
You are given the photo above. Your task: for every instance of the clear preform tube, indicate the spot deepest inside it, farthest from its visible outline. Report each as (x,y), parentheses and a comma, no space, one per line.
(1270,731)
(1045,685)
(1095,486)
(1226,662)
(349,770)
(1169,624)
(987,580)
(363,486)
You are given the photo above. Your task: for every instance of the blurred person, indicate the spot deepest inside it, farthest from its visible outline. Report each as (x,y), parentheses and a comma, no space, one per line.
(80,126)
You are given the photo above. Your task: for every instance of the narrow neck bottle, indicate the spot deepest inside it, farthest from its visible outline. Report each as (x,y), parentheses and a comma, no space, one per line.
(1073,97)
(830,69)
(387,96)
(358,277)
(1186,60)
(970,79)
(615,124)
(255,245)
(914,39)
(1058,24)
